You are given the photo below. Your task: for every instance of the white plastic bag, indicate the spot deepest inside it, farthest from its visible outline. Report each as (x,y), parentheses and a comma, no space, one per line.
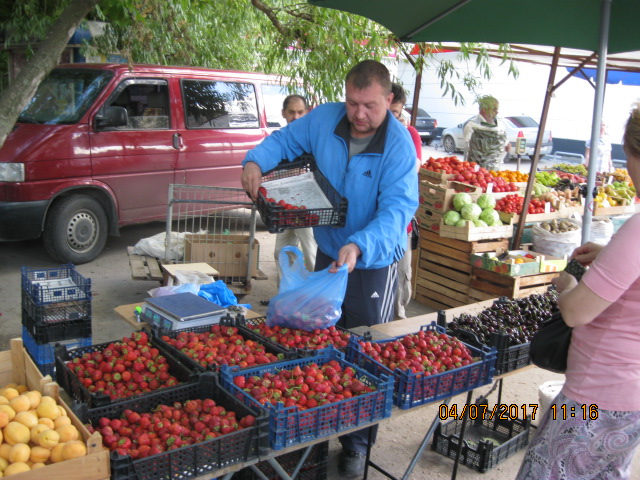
(556,244)
(192,276)
(601,230)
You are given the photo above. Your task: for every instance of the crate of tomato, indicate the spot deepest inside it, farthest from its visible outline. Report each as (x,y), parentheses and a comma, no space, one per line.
(181,432)
(207,347)
(312,397)
(304,343)
(111,372)
(427,366)
(297,195)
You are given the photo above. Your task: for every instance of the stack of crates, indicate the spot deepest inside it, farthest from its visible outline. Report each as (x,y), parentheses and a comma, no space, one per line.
(56,309)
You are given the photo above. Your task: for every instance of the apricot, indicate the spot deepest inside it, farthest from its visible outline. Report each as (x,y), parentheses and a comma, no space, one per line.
(73,449)
(16,432)
(39,454)
(28,419)
(48,438)
(37,430)
(68,433)
(56,453)
(14,468)
(20,452)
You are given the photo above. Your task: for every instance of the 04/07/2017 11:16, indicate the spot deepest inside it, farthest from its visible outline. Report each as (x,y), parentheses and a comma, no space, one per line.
(562,412)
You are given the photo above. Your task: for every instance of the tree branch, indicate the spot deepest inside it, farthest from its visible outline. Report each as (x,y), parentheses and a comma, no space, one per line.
(270,15)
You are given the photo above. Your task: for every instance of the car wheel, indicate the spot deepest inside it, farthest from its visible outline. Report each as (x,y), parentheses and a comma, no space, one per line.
(449,144)
(75,229)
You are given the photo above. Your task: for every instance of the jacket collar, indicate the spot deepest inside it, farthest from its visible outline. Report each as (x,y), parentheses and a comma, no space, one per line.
(376,145)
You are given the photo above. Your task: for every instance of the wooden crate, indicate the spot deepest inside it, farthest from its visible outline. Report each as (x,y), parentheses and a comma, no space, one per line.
(486,284)
(444,269)
(428,219)
(17,367)
(439,198)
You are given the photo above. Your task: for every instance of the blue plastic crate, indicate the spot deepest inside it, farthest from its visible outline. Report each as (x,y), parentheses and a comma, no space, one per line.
(45,354)
(290,425)
(413,389)
(53,285)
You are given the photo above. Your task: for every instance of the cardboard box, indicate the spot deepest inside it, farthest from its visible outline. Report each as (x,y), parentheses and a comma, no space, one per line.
(439,198)
(429,219)
(228,254)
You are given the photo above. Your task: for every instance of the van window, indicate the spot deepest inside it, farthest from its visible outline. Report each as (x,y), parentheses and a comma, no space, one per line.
(146,102)
(64,96)
(220,104)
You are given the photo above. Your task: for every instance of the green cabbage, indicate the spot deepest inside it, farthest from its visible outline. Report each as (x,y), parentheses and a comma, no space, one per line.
(471,211)
(490,216)
(480,223)
(460,200)
(462,223)
(451,218)
(486,200)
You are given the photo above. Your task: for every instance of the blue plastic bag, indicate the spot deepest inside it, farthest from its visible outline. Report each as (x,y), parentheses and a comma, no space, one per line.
(307,300)
(218,293)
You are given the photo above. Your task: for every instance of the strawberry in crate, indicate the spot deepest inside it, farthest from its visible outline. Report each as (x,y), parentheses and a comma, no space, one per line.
(426,352)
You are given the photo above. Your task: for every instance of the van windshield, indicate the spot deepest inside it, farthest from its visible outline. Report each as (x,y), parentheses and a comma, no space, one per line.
(64,96)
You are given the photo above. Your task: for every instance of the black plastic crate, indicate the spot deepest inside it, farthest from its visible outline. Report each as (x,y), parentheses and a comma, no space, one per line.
(56,312)
(192,460)
(479,451)
(76,390)
(53,285)
(53,332)
(509,357)
(277,218)
(193,365)
(249,323)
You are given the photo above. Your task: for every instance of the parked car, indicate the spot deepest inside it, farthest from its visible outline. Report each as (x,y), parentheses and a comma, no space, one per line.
(425,124)
(98,145)
(453,138)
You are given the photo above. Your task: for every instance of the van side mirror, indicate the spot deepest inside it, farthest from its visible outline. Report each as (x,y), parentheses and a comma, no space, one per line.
(112,117)
(460,125)
(273,125)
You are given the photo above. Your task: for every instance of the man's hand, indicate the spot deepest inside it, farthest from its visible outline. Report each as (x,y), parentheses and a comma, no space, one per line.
(348,254)
(251,179)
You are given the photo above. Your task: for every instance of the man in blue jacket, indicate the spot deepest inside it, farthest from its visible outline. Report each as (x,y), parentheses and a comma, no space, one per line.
(368,156)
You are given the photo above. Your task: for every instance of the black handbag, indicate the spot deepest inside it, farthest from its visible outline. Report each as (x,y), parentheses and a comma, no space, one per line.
(550,345)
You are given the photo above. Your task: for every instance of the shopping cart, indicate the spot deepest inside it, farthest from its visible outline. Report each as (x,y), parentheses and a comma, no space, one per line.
(214,225)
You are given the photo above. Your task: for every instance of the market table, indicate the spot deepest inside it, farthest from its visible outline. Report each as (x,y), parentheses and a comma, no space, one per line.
(391,329)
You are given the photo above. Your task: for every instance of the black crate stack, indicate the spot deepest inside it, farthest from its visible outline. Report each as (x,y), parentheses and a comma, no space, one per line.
(56,309)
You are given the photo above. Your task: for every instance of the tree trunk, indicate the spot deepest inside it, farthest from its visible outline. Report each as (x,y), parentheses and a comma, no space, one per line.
(17,95)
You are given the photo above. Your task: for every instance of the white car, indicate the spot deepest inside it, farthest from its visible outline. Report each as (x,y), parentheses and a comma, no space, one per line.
(453,138)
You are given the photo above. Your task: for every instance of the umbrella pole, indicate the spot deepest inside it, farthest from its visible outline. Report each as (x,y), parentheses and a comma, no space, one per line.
(536,151)
(597,118)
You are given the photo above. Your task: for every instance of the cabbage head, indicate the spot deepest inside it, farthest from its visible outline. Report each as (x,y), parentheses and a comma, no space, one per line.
(451,218)
(490,216)
(480,223)
(462,223)
(486,200)
(471,211)
(460,200)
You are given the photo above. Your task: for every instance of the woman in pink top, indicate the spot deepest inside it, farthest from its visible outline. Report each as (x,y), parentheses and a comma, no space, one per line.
(593,429)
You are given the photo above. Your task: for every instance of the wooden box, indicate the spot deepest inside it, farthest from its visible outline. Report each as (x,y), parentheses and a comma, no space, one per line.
(228,254)
(17,367)
(470,233)
(486,284)
(439,198)
(444,269)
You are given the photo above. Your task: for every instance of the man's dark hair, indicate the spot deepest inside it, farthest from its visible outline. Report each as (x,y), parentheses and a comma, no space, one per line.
(399,95)
(291,97)
(369,71)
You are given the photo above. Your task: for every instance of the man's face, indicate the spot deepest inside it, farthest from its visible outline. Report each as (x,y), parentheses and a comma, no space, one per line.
(295,109)
(366,108)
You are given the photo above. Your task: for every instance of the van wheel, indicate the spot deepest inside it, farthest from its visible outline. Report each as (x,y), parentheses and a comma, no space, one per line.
(75,230)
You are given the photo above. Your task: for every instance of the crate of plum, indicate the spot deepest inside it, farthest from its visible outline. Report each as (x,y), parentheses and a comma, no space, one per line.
(304,342)
(183,432)
(312,397)
(297,195)
(427,366)
(508,326)
(111,372)
(207,347)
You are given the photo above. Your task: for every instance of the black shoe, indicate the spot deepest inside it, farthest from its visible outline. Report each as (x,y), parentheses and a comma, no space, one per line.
(351,463)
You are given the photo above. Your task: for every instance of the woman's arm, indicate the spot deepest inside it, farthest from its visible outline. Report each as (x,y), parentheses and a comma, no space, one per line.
(578,304)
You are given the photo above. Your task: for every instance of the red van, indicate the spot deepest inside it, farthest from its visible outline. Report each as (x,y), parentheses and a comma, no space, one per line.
(97,146)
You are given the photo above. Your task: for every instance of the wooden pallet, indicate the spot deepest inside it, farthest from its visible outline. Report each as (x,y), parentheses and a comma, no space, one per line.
(486,284)
(144,267)
(444,269)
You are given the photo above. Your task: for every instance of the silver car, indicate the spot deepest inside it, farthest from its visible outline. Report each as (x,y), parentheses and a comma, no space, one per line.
(453,138)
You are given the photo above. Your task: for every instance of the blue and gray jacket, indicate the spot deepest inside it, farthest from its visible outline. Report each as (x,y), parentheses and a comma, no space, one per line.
(380,184)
